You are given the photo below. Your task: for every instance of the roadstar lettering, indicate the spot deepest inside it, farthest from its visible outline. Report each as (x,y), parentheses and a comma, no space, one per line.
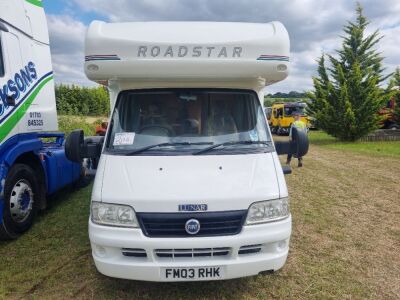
(189,51)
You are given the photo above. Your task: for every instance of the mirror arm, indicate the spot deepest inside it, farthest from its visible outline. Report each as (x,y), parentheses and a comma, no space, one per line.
(92,146)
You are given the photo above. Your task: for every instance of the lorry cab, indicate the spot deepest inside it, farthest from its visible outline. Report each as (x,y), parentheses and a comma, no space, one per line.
(189,185)
(282,116)
(32,158)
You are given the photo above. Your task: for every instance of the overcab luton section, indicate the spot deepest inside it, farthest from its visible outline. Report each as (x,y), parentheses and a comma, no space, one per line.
(151,51)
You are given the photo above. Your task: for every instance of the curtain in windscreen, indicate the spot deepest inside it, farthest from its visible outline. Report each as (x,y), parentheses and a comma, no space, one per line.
(130,114)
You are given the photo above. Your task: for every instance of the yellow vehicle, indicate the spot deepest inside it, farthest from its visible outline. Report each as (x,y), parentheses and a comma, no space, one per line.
(281,117)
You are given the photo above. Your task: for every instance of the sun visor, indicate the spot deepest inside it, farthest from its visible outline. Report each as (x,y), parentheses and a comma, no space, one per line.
(201,51)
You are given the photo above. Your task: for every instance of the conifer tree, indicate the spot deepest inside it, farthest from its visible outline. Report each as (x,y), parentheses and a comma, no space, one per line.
(347,93)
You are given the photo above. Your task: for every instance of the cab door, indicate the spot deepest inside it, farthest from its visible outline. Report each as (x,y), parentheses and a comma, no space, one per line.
(11,62)
(279,113)
(274,120)
(12,47)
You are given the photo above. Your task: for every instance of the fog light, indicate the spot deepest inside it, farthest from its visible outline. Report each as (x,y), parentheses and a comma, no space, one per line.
(100,251)
(282,245)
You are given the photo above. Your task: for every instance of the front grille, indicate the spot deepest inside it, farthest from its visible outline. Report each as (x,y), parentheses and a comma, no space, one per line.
(133,252)
(250,249)
(192,253)
(173,224)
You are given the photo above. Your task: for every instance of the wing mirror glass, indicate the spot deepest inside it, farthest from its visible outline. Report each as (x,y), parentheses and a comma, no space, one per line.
(298,146)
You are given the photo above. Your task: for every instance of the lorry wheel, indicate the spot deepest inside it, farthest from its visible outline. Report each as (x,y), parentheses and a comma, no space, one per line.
(20,206)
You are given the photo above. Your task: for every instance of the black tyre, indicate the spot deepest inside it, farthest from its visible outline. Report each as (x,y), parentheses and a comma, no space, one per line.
(21,201)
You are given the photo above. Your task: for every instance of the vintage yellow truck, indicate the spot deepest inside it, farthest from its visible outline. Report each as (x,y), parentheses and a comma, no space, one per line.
(282,116)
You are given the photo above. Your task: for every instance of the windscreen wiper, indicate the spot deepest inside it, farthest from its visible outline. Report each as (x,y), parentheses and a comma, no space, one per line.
(248,142)
(140,150)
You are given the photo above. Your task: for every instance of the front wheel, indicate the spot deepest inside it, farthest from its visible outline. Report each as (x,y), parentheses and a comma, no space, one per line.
(21,191)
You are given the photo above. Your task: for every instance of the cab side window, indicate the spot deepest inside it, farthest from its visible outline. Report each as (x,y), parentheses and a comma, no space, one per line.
(1,60)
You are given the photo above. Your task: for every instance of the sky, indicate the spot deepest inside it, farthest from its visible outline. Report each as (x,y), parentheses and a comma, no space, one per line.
(314,27)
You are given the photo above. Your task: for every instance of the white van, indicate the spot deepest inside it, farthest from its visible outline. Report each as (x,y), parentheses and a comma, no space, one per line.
(189,185)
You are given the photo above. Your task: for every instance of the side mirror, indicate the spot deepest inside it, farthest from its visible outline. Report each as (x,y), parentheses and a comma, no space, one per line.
(77,147)
(298,146)
(74,146)
(300,143)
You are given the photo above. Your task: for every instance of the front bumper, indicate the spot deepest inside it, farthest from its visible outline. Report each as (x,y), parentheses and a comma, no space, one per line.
(107,244)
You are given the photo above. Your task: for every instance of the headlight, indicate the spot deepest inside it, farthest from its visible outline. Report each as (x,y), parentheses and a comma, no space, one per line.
(268,211)
(113,215)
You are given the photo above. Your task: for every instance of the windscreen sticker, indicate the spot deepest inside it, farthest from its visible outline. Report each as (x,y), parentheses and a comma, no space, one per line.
(124,138)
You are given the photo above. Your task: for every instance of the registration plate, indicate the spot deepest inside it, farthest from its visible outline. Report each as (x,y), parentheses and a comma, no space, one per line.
(195,273)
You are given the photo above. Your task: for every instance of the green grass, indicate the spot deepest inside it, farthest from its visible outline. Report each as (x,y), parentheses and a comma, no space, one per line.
(390,148)
(57,241)
(344,242)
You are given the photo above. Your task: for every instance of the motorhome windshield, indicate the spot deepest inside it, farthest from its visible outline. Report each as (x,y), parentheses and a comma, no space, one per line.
(183,121)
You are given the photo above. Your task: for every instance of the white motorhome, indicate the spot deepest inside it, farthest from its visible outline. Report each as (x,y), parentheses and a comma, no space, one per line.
(189,185)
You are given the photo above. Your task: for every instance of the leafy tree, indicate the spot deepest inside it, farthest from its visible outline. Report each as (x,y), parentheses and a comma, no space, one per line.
(347,93)
(292,96)
(83,101)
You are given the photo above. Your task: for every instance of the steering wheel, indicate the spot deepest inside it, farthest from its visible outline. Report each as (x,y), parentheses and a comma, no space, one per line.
(169,131)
